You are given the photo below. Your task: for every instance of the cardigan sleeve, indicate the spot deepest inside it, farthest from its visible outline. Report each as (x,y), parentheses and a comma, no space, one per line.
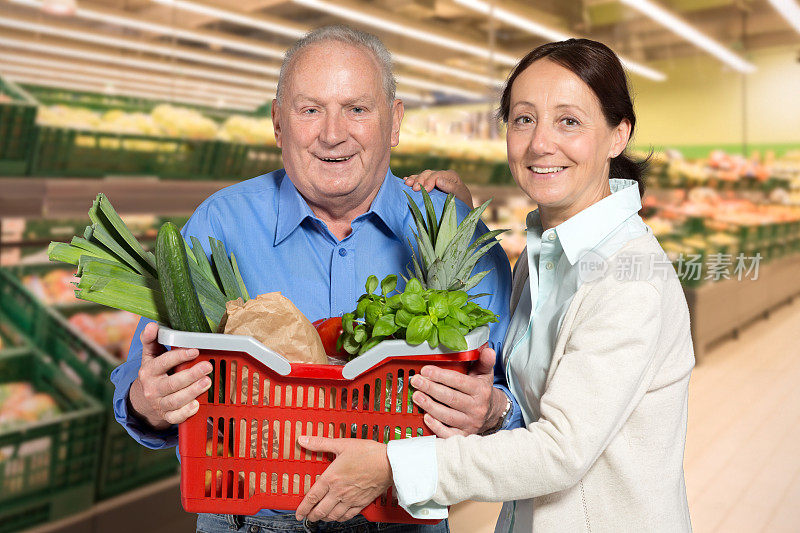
(610,357)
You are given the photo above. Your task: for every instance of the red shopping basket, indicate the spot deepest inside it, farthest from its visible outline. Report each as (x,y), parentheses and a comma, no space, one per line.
(239,452)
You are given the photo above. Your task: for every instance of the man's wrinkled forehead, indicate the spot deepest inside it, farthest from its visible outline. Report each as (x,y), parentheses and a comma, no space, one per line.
(319,57)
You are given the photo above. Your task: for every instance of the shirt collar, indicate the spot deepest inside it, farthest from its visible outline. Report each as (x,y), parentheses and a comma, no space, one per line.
(293,209)
(585,230)
(390,205)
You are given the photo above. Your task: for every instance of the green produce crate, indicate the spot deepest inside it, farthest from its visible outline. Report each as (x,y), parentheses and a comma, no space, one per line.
(404,165)
(47,468)
(237,161)
(17,129)
(124,463)
(81,153)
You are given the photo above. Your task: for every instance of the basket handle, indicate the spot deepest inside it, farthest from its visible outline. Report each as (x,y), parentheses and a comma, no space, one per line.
(400,348)
(227,343)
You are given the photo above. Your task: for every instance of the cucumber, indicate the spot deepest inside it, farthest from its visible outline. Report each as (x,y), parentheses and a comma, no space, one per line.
(182,302)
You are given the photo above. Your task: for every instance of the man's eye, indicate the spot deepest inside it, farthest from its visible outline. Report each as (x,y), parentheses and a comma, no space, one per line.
(309,111)
(358,110)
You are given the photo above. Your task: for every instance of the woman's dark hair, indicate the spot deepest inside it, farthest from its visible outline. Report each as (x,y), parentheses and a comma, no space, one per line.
(599,68)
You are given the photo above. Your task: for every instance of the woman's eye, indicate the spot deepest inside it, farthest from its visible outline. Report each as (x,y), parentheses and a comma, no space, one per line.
(569,121)
(523,120)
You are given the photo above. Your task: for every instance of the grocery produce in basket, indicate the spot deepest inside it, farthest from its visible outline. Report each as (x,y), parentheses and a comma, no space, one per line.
(21,404)
(177,286)
(434,307)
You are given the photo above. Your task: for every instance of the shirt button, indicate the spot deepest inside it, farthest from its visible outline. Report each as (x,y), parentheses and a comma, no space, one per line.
(549,265)
(552,236)
(342,252)
(254,529)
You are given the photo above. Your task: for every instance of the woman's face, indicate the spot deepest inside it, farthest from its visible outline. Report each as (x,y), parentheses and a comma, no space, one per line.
(559,144)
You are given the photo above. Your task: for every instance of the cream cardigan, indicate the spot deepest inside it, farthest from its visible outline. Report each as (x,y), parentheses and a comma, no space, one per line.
(607,451)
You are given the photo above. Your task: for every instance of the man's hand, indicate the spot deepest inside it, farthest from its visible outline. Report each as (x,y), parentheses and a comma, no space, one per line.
(359,474)
(444,180)
(459,404)
(160,398)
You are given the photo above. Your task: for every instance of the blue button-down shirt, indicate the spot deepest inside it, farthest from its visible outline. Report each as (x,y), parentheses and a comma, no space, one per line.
(280,245)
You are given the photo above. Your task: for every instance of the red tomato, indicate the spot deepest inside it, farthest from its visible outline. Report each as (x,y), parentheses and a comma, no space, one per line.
(329,330)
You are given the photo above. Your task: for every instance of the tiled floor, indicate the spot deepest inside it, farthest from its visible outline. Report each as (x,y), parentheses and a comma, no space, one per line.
(742,460)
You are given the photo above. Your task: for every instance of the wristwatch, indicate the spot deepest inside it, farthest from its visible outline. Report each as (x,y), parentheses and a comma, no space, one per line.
(502,420)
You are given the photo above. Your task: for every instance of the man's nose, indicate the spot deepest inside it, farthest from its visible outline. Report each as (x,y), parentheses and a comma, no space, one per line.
(334,130)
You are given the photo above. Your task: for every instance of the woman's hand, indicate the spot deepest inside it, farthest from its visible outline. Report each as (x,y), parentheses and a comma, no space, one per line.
(444,180)
(459,404)
(359,474)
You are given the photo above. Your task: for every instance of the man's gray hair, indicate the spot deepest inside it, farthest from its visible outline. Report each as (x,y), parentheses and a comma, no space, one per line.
(347,35)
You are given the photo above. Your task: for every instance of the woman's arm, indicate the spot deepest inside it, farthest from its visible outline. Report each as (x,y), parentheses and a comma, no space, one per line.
(610,359)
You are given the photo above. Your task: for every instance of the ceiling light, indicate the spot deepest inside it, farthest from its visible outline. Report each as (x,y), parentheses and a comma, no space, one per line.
(244,20)
(60,8)
(101,81)
(161,29)
(119,91)
(175,68)
(168,51)
(788,10)
(129,75)
(534,28)
(676,25)
(406,31)
(440,87)
(253,21)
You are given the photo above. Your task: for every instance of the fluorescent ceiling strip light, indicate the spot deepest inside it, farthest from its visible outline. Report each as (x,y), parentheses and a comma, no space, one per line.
(681,28)
(244,20)
(122,91)
(253,21)
(224,90)
(179,69)
(186,54)
(534,28)
(135,45)
(444,69)
(161,29)
(514,19)
(788,10)
(406,31)
(433,86)
(150,88)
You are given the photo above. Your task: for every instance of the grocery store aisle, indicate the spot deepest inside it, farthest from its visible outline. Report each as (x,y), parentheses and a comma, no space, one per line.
(742,462)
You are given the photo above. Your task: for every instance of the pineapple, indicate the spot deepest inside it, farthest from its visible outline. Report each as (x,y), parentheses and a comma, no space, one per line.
(446,256)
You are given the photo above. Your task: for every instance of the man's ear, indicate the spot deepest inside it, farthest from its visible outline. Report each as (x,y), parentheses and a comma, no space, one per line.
(276,122)
(622,133)
(397,118)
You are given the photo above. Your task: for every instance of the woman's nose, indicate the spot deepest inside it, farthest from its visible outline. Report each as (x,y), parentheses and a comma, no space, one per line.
(542,141)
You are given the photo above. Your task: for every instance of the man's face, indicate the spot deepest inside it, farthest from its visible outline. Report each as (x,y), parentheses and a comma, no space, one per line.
(334,125)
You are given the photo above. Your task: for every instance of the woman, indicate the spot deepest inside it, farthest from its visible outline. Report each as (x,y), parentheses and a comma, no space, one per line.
(598,352)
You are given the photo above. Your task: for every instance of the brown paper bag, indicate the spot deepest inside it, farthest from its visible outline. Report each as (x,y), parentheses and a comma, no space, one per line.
(274,321)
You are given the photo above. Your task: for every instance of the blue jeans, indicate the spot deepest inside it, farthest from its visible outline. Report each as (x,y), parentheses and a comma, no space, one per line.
(220,523)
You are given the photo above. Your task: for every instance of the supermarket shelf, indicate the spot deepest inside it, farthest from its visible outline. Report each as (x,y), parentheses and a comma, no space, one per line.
(155,508)
(54,198)
(723,308)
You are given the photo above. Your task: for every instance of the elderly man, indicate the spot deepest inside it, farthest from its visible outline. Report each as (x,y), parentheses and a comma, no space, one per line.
(313,231)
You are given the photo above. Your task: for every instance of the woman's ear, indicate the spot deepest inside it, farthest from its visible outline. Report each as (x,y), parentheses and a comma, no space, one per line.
(622,133)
